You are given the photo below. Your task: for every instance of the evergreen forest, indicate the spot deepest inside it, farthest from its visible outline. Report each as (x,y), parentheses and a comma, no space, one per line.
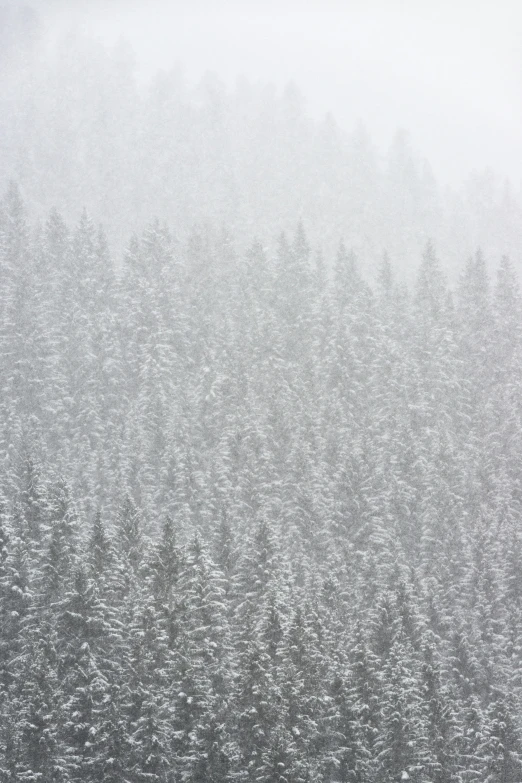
(260,438)
(260,513)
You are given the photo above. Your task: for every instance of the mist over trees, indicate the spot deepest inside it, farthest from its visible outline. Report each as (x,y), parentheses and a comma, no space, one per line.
(81,127)
(260,487)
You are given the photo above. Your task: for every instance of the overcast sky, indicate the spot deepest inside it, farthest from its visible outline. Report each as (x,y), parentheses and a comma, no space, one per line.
(449,72)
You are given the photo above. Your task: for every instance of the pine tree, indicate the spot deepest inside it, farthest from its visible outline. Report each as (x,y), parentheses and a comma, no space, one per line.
(402,745)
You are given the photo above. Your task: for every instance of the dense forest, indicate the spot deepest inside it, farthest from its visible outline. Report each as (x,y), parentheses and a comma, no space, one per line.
(260,487)
(260,512)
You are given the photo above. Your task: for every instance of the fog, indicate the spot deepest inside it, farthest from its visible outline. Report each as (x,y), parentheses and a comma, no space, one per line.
(450,73)
(385,124)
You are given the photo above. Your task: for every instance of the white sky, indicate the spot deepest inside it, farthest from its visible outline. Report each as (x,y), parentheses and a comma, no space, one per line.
(449,72)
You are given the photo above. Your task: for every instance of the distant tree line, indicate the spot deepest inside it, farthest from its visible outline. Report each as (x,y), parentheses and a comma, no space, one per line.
(80,125)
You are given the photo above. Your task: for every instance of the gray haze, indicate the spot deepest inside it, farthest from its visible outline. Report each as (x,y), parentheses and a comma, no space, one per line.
(386,125)
(451,73)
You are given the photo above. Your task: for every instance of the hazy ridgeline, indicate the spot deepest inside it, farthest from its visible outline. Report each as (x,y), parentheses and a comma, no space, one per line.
(260,488)
(78,128)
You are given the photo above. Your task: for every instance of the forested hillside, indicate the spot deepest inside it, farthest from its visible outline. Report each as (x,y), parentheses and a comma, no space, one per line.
(260,511)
